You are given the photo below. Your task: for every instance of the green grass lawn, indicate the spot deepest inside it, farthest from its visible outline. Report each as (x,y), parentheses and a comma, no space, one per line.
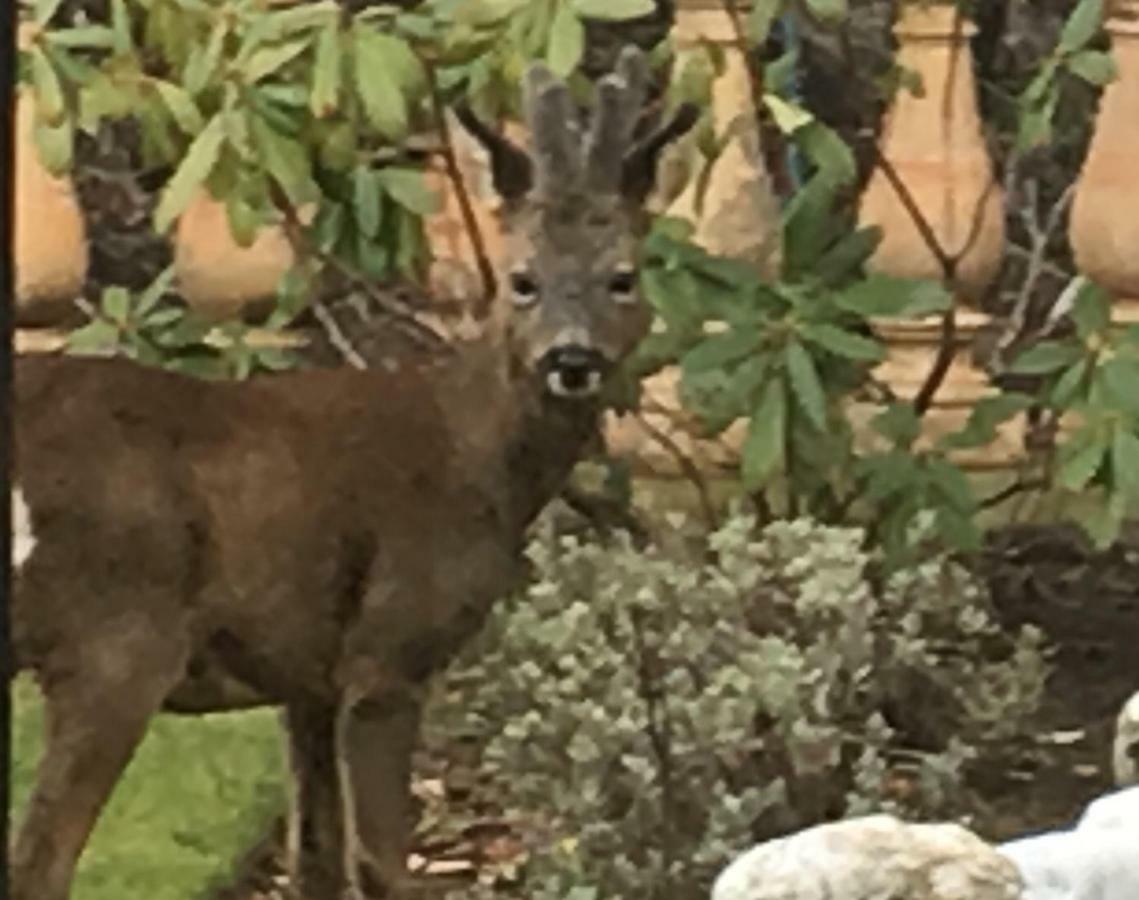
(199,791)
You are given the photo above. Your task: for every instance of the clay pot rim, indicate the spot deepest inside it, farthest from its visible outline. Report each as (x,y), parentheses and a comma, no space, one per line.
(927,329)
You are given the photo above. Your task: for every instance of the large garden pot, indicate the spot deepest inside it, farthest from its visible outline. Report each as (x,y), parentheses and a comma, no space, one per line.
(1104,228)
(51,252)
(935,145)
(217,276)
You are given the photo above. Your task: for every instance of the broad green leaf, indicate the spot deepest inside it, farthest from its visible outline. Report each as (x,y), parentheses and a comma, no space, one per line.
(96,335)
(326,77)
(567,41)
(888,475)
(1091,310)
(55,146)
(1082,26)
(759,20)
(719,350)
(805,384)
(842,343)
(1034,128)
(116,304)
(44,10)
(1080,462)
(1045,357)
(266,60)
(378,85)
(1068,384)
(788,117)
(987,413)
(846,256)
(1094,67)
(1103,521)
(828,151)
(285,159)
(1125,463)
(885,295)
(203,59)
(121,26)
(244,220)
(50,104)
(154,292)
(194,169)
(85,37)
(958,529)
(482,13)
(287,22)
(613,10)
(766,433)
(367,200)
(898,423)
(829,11)
(1119,377)
(182,107)
(409,189)
(951,485)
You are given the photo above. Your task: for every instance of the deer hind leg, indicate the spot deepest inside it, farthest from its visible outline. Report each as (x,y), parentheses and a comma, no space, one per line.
(97,710)
(316,844)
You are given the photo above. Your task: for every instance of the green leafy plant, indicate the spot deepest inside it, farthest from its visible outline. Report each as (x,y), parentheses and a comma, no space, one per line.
(657,712)
(153,329)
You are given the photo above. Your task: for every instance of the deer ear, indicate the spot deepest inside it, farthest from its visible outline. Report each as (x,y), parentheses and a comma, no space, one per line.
(638,169)
(510,166)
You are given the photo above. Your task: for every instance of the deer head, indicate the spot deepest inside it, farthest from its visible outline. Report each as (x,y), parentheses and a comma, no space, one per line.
(572,216)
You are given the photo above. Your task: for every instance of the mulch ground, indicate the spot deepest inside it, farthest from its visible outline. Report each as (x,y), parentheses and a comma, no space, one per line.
(1086,603)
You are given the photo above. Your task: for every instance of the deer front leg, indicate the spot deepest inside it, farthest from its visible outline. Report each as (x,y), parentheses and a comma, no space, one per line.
(376,737)
(97,710)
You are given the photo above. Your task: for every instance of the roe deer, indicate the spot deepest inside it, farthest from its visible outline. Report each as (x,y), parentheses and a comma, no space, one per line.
(319,540)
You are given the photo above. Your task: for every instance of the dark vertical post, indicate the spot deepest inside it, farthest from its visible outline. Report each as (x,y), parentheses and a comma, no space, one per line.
(8,13)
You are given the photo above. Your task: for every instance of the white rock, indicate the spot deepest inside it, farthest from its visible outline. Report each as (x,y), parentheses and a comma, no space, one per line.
(871,858)
(1125,752)
(1117,811)
(1091,864)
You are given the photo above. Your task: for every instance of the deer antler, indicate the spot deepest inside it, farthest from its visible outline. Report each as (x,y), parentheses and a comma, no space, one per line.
(619,100)
(555,133)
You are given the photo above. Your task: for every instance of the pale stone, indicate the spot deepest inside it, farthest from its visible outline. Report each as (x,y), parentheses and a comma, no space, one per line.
(1090,864)
(23,535)
(1125,751)
(871,858)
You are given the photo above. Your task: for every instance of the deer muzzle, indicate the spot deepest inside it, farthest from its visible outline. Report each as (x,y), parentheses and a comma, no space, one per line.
(573,371)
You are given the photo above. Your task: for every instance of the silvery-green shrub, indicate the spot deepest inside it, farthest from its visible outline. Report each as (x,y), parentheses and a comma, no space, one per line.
(661,709)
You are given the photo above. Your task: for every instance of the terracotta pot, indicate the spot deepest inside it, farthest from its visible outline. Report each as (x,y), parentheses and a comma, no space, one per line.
(217,276)
(51,252)
(911,348)
(935,145)
(1103,228)
(738,214)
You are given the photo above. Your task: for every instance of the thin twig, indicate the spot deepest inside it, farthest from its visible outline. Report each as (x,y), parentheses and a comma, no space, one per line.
(462,195)
(659,729)
(337,337)
(402,316)
(687,466)
(1008,492)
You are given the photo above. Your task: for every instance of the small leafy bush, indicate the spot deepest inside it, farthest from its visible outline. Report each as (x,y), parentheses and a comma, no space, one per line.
(659,709)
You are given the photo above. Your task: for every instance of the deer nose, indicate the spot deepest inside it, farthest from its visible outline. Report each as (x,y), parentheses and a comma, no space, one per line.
(573,370)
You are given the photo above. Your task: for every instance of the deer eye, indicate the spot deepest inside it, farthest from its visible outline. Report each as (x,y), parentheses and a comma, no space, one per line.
(524,288)
(623,285)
